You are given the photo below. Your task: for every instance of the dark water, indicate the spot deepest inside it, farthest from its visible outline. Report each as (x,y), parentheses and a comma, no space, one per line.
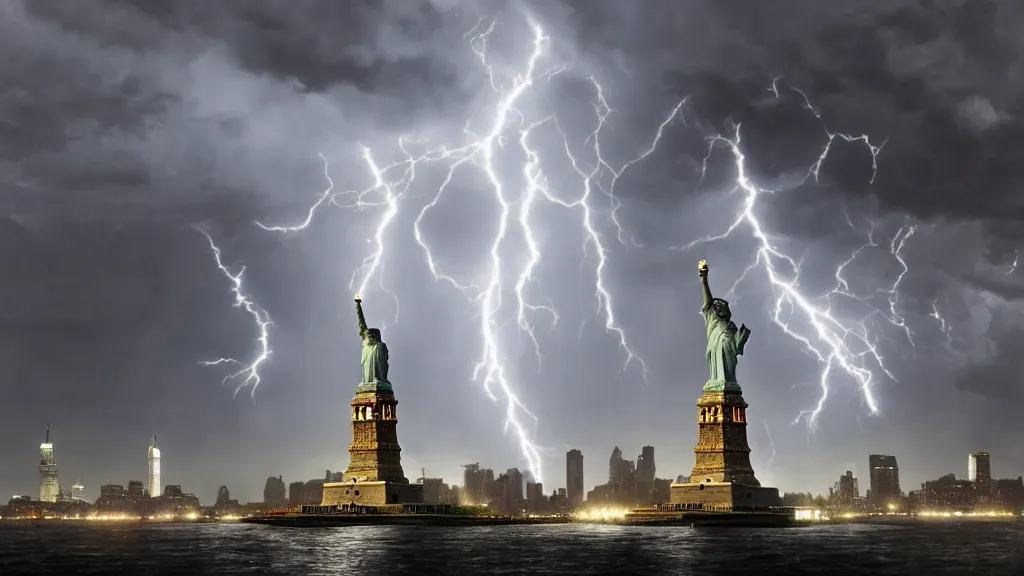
(937,548)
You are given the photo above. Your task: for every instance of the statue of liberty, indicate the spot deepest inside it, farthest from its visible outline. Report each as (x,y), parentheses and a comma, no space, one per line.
(375,352)
(725,341)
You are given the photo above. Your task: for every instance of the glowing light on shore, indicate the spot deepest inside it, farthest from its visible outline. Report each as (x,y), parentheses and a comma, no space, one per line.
(601,514)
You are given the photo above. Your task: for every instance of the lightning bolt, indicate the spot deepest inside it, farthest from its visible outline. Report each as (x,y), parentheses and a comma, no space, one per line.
(943,325)
(771,442)
(508,139)
(896,249)
(324,198)
(248,373)
(837,344)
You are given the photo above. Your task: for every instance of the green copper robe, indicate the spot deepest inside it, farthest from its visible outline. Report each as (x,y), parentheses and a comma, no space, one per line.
(374,357)
(725,345)
(375,361)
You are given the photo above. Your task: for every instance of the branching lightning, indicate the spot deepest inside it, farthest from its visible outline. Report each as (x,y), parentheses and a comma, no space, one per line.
(839,345)
(507,123)
(248,373)
(944,326)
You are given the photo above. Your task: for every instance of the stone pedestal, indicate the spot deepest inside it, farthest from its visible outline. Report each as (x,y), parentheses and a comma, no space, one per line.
(374,476)
(722,477)
(371,493)
(724,496)
(722,453)
(374,453)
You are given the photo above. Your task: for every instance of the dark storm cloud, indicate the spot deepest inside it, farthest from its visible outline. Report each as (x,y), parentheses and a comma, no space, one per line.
(140,107)
(998,376)
(316,43)
(938,81)
(128,122)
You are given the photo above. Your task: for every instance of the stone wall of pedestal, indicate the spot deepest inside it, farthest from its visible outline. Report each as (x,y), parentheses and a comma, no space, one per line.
(722,478)
(722,453)
(377,493)
(724,496)
(374,453)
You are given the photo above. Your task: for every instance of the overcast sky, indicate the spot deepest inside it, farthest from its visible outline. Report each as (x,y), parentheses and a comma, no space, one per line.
(125,130)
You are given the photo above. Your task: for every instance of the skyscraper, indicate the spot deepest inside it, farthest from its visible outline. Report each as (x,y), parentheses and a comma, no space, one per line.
(645,473)
(155,489)
(274,492)
(848,489)
(885,481)
(979,471)
(49,484)
(78,492)
(479,484)
(614,465)
(574,477)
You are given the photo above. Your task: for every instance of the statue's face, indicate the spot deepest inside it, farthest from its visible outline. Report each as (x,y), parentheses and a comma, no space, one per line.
(374,334)
(721,308)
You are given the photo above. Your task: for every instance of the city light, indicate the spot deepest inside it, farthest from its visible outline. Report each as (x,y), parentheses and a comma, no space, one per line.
(601,514)
(806,514)
(958,514)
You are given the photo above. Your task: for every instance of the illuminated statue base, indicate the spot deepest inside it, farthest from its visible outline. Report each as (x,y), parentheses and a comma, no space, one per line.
(724,496)
(722,478)
(371,493)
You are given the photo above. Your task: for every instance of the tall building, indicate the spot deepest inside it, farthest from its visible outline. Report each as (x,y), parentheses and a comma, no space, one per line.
(224,497)
(848,489)
(274,492)
(614,464)
(510,491)
(136,491)
(645,474)
(979,472)
(49,483)
(885,482)
(574,477)
(78,492)
(621,479)
(296,494)
(534,492)
(479,484)
(154,470)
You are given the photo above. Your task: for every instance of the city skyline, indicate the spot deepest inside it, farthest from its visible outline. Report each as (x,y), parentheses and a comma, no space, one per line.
(974,472)
(147,127)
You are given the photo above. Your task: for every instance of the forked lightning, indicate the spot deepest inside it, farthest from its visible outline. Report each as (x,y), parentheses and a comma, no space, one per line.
(248,373)
(507,123)
(838,344)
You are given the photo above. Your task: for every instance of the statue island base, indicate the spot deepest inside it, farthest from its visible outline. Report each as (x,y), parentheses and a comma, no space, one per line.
(374,489)
(722,489)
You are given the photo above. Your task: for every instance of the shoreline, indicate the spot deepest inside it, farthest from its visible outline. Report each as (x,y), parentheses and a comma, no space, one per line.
(691,519)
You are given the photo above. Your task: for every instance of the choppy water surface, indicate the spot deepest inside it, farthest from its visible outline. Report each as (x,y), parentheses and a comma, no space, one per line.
(938,548)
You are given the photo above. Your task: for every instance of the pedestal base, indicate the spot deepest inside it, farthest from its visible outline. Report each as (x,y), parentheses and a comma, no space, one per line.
(377,385)
(374,493)
(724,496)
(722,386)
